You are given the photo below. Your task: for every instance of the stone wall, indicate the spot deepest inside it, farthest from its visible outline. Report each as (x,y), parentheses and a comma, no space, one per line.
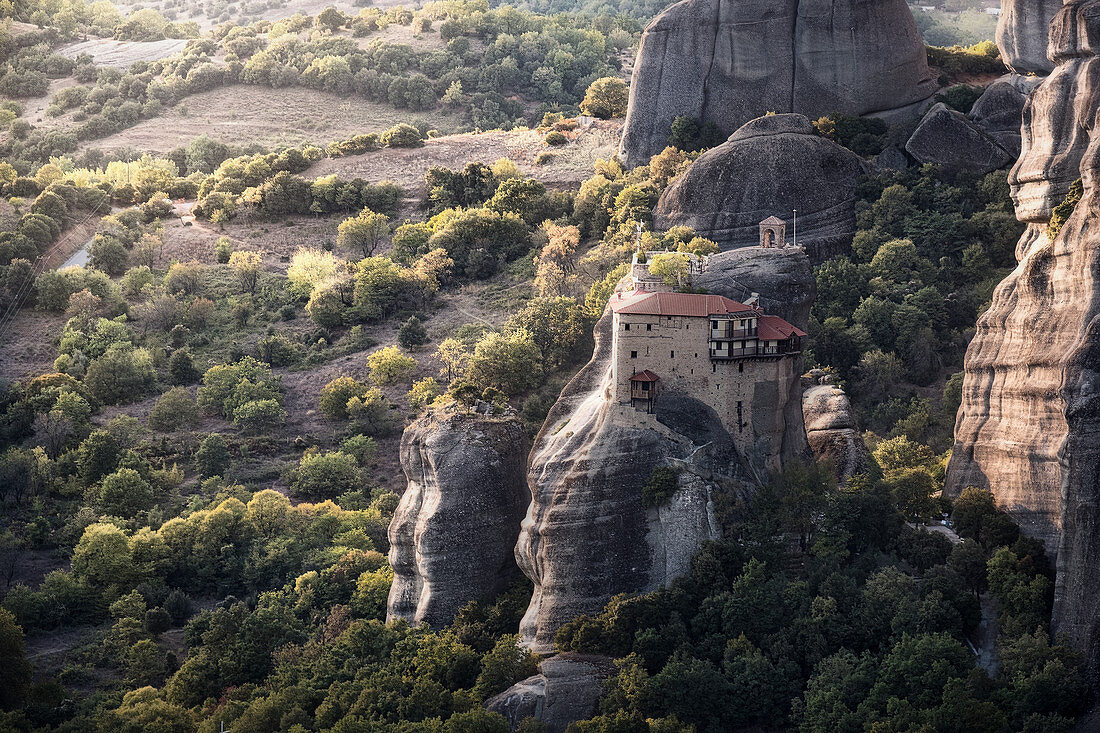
(744,393)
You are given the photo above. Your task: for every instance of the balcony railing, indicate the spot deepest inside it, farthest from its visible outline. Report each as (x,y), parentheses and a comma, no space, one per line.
(728,334)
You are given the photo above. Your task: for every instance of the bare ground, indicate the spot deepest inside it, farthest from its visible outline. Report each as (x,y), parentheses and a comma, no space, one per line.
(241,114)
(571,164)
(121,54)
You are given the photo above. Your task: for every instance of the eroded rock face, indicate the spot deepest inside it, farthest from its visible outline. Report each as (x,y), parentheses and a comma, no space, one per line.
(729,61)
(1029,424)
(1022,34)
(587,536)
(947,138)
(770,166)
(566,689)
(452,537)
(832,431)
(1000,110)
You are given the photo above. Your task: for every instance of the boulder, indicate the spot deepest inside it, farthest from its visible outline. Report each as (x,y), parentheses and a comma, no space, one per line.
(1000,112)
(831,430)
(587,535)
(453,534)
(947,138)
(567,689)
(770,166)
(1023,32)
(726,62)
(1029,424)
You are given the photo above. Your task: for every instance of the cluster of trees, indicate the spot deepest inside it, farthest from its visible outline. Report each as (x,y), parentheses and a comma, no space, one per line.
(870,632)
(900,309)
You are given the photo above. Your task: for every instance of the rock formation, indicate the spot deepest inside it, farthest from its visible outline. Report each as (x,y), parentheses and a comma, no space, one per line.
(831,429)
(1022,34)
(947,138)
(729,61)
(452,537)
(1028,425)
(770,166)
(567,688)
(587,535)
(1000,110)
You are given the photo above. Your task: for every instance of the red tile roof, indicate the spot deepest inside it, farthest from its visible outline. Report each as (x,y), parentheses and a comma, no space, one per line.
(678,304)
(645,376)
(774,328)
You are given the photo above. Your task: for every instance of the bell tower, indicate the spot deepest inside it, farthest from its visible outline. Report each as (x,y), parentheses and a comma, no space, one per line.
(773,233)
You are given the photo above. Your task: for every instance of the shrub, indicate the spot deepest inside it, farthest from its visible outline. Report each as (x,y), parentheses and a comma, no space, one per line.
(259,415)
(412,333)
(212,457)
(335,396)
(660,487)
(223,250)
(181,368)
(175,409)
(125,493)
(388,365)
(122,374)
(402,136)
(326,308)
(555,138)
(423,393)
(326,475)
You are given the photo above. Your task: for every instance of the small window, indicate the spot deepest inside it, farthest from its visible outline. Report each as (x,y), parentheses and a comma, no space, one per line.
(714,325)
(649,326)
(633,354)
(741,367)
(697,356)
(713,368)
(626,327)
(672,355)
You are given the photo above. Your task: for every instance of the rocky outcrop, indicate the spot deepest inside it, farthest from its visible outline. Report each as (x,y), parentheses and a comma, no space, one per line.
(947,138)
(1022,34)
(1029,424)
(1000,110)
(452,537)
(587,535)
(729,61)
(831,428)
(566,689)
(770,166)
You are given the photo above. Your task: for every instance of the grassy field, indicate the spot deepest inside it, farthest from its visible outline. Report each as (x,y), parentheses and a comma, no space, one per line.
(241,114)
(121,54)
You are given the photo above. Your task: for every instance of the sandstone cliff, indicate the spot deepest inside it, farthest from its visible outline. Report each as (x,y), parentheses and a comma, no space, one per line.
(1022,34)
(587,536)
(1028,425)
(730,61)
(769,167)
(452,537)
(566,689)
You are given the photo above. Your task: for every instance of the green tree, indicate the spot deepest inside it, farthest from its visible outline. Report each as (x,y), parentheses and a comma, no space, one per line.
(606,97)
(336,394)
(363,232)
(122,374)
(212,457)
(246,266)
(124,493)
(326,475)
(512,363)
(175,409)
(412,333)
(557,327)
(15,670)
(102,556)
